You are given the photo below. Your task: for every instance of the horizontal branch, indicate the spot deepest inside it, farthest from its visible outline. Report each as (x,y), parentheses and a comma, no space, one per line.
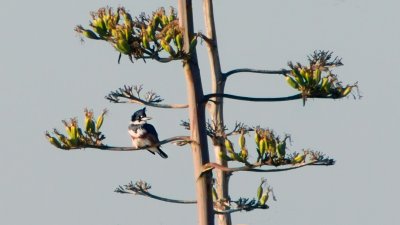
(141,188)
(247,70)
(247,208)
(180,140)
(169,199)
(156,197)
(133,95)
(253,167)
(146,103)
(255,99)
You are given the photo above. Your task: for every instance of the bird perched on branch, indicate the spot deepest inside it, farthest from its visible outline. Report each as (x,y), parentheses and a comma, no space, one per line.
(144,134)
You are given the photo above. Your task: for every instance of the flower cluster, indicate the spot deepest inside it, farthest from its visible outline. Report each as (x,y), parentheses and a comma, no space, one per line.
(311,82)
(270,147)
(77,137)
(145,37)
(271,150)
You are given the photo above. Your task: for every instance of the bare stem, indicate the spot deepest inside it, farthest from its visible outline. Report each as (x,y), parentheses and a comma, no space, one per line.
(216,110)
(156,105)
(133,95)
(253,99)
(148,194)
(229,211)
(248,70)
(197,118)
(253,167)
(180,140)
(142,188)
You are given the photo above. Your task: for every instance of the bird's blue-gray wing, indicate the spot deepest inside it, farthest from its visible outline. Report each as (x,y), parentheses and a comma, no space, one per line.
(150,129)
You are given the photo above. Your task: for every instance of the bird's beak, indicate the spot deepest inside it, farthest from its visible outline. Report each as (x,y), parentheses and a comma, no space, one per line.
(146,118)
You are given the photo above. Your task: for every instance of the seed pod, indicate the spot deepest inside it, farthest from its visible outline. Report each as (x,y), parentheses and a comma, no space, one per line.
(244,154)
(257,137)
(92,126)
(74,132)
(317,76)
(271,149)
(151,32)
(107,21)
(298,77)
(299,158)
(169,35)
(242,140)
(179,41)
(90,34)
(127,19)
(127,33)
(263,146)
(264,198)
(167,47)
(229,145)
(346,91)
(281,149)
(324,83)
(328,87)
(100,119)
(308,78)
(292,82)
(68,128)
(123,47)
(302,72)
(62,138)
(100,24)
(260,191)
(89,123)
(80,134)
(145,41)
(164,20)
(53,140)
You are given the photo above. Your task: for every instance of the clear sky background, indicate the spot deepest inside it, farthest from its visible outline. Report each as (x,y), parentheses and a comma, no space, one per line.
(48,75)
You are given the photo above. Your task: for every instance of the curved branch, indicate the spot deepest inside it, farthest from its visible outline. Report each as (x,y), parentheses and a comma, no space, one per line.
(146,103)
(246,208)
(180,140)
(169,199)
(156,197)
(253,99)
(248,70)
(142,188)
(252,167)
(133,95)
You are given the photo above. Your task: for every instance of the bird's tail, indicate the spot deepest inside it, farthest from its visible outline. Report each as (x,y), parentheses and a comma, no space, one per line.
(162,154)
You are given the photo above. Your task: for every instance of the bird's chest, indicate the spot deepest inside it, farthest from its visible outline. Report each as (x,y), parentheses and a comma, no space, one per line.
(137,132)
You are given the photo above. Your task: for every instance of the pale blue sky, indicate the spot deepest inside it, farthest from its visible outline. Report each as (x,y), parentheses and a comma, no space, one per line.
(48,75)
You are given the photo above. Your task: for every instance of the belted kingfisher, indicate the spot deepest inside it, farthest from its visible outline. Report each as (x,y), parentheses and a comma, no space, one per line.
(144,134)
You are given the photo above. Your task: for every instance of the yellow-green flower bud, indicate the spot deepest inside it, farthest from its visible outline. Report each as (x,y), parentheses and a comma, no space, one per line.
(346,91)
(292,82)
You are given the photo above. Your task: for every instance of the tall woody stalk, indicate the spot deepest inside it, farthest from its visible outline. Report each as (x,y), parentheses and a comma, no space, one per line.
(216,106)
(197,119)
